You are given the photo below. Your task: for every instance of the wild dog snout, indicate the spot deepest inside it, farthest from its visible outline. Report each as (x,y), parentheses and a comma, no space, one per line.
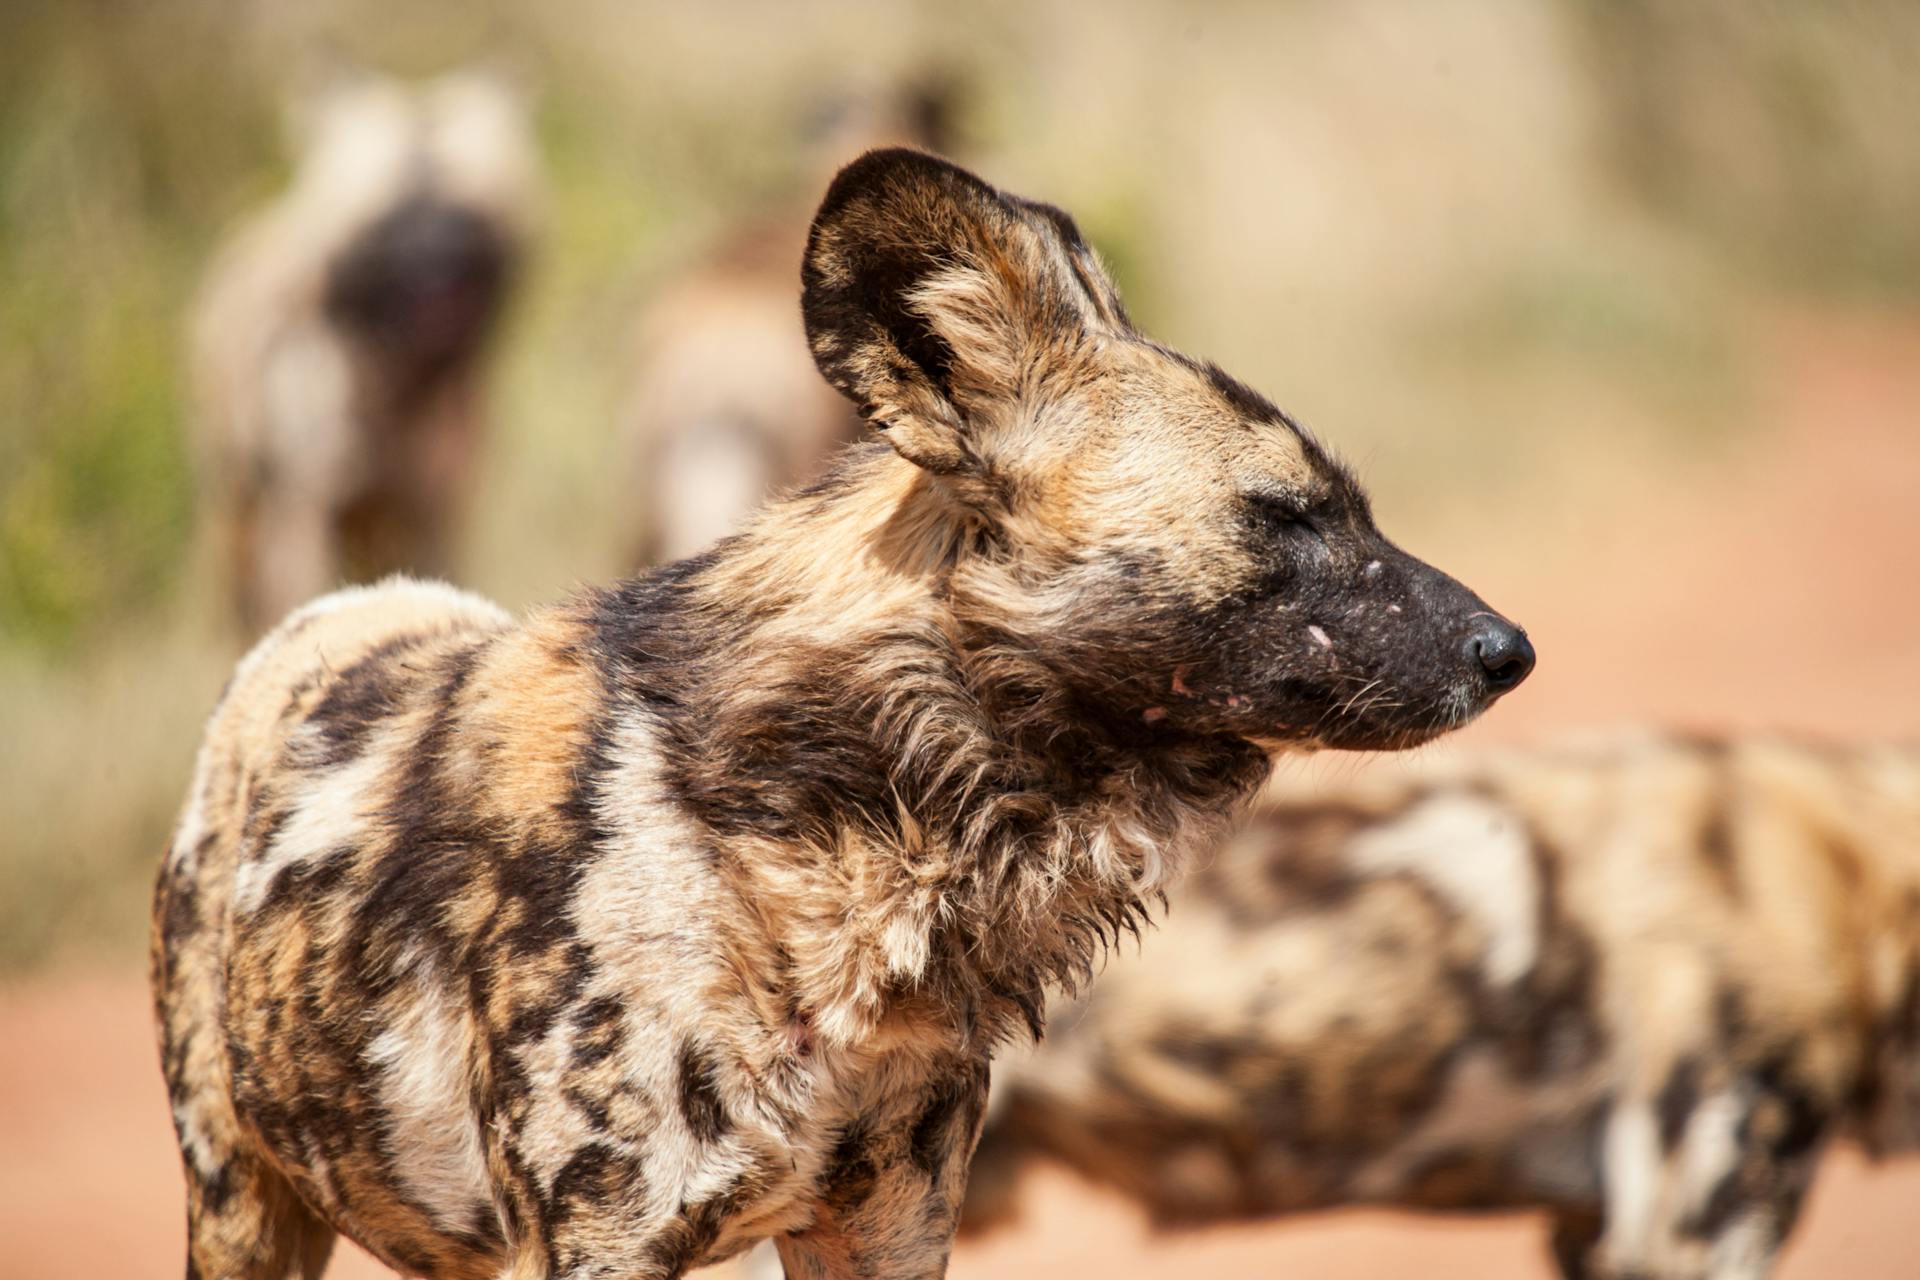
(1503,651)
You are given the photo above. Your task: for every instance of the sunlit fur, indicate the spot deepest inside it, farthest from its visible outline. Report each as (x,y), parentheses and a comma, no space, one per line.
(336,339)
(1638,983)
(686,912)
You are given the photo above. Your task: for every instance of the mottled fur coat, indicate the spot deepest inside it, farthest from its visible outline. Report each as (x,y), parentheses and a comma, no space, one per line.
(686,913)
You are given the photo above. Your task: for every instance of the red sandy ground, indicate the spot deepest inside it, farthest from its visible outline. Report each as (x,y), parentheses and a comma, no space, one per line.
(1777,589)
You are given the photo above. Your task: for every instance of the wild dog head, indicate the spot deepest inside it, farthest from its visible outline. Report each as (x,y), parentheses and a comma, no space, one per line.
(1178,553)
(424,196)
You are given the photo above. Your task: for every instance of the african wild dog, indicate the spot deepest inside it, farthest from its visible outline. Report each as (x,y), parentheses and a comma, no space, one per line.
(1638,984)
(337,340)
(724,405)
(685,913)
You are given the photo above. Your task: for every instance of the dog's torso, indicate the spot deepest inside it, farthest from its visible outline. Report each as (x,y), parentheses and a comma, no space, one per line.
(471,966)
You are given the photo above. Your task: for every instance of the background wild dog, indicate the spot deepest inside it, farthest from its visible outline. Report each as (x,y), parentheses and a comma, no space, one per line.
(725,405)
(1638,985)
(686,913)
(336,342)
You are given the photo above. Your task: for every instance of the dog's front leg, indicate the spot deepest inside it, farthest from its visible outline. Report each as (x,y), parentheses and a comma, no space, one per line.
(1709,1189)
(890,1197)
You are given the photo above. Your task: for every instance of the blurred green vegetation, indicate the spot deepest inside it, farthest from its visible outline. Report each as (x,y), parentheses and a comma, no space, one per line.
(107,192)
(1509,209)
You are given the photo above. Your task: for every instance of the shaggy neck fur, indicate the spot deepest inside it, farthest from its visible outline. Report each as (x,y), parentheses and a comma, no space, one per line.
(849,697)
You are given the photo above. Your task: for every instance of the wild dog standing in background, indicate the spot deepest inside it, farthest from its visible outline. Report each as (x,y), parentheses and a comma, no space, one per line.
(724,405)
(1638,986)
(686,913)
(337,341)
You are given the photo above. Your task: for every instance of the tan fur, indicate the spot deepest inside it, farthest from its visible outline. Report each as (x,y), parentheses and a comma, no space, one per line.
(534,712)
(1636,983)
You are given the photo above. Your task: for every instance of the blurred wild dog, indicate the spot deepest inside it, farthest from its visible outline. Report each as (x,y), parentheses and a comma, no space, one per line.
(336,343)
(1638,985)
(686,913)
(724,405)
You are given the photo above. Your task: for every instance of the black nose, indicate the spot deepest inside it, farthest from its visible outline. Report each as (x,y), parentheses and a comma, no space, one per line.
(1503,652)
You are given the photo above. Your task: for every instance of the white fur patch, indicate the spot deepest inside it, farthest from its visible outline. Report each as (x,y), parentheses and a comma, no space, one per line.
(187,1119)
(1745,1250)
(420,1065)
(647,908)
(327,814)
(1473,852)
(763,1263)
(1710,1148)
(640,908)
(652,891)
(183,858)
(1632,1162)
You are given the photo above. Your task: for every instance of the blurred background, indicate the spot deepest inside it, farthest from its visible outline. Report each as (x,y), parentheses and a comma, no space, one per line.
(1616,306)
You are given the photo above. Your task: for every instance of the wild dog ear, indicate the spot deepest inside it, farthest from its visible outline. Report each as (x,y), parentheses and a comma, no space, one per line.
(929,296)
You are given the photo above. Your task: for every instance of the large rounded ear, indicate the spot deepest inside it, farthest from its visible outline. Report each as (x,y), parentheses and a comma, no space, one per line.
(932,301)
